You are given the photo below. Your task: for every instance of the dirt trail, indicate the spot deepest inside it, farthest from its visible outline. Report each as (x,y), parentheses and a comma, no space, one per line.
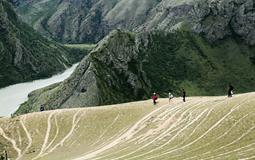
(13,142)
(144,131)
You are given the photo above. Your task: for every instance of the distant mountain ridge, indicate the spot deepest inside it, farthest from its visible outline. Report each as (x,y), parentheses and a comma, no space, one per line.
(24,54)
(79,21)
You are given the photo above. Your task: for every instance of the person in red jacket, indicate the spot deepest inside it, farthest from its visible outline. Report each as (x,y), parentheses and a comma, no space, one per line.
(154,98)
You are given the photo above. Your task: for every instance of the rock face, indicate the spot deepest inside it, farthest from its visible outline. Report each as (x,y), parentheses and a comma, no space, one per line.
(128,66)
(89,21)
(26,55)
(109,74)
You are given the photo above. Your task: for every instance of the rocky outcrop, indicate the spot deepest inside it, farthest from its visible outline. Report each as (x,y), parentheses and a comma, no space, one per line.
(109,74)
(24,54)
(128,66)
(89,21)
(215,19)
(224,18)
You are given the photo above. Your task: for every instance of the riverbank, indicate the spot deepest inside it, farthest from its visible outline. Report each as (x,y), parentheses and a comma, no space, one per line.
(12,96)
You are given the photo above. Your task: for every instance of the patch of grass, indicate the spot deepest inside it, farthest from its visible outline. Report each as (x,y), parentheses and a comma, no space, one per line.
(81,46)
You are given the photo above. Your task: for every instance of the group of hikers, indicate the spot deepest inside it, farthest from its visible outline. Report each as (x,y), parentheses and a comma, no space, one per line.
(171,96)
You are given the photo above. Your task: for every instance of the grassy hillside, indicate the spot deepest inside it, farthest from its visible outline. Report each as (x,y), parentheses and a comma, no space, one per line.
(25,55)
(201,128)
(185,60)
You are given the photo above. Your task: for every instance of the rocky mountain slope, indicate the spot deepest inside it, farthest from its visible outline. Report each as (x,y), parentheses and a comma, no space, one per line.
(126,66)
(199,46)
(24,54)
(89,21)
(202,128)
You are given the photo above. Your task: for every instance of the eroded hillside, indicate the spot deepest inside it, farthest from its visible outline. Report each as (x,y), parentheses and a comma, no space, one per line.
(91,20)
(201,128)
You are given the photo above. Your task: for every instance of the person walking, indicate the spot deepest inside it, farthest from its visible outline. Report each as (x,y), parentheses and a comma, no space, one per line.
(230,90)
(170,96)
(154,98)
(184,95)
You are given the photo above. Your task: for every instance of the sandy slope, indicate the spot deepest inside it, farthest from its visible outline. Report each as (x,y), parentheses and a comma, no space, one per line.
(201,128)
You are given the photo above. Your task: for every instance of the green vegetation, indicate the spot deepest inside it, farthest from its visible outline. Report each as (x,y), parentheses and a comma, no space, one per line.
(185,60)
(25,55)
(79,50)
(33,14)
(81,46)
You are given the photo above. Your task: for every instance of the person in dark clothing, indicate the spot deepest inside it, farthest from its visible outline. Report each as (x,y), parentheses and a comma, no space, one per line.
(42,108)
(154,98)
(184,95)
(230,90)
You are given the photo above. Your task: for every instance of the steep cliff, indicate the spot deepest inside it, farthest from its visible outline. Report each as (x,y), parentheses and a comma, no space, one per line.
(24,54)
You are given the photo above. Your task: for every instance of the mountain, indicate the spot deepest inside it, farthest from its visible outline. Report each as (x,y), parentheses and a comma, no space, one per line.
(128,66)
(200,46)
(79,21)
(25,55)
(201,128)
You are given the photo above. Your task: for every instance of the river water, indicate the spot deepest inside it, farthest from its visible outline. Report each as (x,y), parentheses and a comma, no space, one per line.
(12,96)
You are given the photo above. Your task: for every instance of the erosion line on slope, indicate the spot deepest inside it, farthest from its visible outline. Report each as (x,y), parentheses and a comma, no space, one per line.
(238,149)
(105,143)
(165,132)
(125,136)
(194,130)
(210,129)
(29,137)
(165,113)
(106,130)
(174,128)
(172,110)
(243,153)
(20,139)
(56,134)
(12,141)
(46,138)
(218,138)
(251,157)
(235,141)
(172,138)
(74,124)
